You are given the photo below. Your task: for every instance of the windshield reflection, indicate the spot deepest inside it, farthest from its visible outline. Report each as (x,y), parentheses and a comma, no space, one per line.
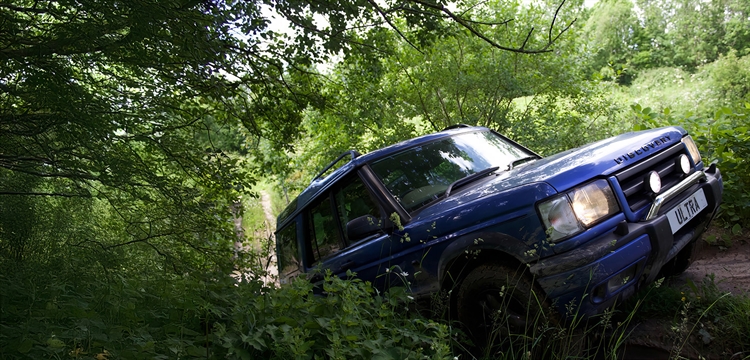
(422,173)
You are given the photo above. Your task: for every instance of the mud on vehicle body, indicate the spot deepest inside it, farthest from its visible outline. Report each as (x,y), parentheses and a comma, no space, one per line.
(470,212)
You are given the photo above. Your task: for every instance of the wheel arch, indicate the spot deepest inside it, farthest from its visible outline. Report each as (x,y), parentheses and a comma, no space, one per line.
(469,251)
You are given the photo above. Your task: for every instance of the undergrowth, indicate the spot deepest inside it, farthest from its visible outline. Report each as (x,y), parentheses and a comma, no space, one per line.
(214,316)
(701,317)
(56,314)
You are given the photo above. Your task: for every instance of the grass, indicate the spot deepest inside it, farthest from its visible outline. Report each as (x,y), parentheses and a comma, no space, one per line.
(696,319)
(254,217)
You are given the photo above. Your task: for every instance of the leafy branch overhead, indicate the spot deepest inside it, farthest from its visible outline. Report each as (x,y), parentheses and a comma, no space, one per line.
(413,20)
(471,26)
(142,107)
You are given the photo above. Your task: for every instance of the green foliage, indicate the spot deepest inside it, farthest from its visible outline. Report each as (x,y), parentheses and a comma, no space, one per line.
(115,129)
(724,139)
(730,78)
(712,86)
(611,30)
(350,321)
(67,310)
(724,315)
(213,316)
(457,78)
(549,125)
(642,34)
(121,126)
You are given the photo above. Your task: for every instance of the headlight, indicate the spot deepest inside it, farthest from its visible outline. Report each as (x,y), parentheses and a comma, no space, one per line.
(558,218)
(578,209)
(692,149)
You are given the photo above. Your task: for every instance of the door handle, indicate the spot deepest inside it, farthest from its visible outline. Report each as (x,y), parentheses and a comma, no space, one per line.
(346,266)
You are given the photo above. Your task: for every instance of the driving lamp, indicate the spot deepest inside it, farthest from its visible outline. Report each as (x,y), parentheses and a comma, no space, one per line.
(570,213)
(683,164)
(692,148)
(653,182)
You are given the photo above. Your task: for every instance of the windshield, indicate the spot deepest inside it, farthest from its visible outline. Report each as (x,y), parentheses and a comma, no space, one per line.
(421,174)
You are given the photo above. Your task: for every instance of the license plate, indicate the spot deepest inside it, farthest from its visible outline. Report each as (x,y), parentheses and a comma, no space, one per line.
(686,210)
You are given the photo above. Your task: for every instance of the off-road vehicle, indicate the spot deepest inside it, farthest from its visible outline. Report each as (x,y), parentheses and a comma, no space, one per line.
(472,213)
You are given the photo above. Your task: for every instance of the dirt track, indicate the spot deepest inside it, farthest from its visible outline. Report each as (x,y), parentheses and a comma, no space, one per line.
(730,266)
(273,270)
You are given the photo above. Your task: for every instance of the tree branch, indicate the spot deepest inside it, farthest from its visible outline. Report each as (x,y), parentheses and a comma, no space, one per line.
(23,9)
(467,25)
(392,25)
(44,194)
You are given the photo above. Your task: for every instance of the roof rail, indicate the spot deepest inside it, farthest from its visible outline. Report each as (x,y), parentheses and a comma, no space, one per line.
(353,153)
(456,126)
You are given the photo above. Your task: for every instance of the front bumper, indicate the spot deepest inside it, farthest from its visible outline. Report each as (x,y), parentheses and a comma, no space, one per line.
(627,255)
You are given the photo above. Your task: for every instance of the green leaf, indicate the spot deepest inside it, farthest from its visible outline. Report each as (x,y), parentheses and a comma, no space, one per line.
(285,320)
(711,239)
(737,229)
(56,343)
(312,325)
(197,351)
(25,346)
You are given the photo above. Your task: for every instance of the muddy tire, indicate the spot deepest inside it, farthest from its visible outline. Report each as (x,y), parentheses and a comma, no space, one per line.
(682,261)
(494,301)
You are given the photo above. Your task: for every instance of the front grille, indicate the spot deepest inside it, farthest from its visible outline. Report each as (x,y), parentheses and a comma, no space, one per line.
(633,179)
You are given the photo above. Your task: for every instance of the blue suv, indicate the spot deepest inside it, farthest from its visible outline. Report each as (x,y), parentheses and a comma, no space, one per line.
(500,229)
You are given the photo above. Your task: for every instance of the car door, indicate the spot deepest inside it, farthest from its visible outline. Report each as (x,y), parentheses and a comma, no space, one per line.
(330,246)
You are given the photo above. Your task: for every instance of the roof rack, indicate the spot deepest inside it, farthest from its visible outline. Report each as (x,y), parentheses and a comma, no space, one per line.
(353,153)
(456,126)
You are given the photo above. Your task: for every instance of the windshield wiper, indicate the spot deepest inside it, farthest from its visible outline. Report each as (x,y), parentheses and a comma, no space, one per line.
(521,160)
(468,179)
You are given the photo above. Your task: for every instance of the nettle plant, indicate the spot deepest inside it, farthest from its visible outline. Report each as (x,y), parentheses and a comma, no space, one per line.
(350,321)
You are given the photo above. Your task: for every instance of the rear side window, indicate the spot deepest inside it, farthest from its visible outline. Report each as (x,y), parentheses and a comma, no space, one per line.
(288,253)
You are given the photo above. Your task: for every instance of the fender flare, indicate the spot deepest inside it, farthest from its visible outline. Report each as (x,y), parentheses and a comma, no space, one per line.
(492,241)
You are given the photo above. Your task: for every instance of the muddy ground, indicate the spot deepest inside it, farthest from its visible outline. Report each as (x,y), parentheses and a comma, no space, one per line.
(729,264)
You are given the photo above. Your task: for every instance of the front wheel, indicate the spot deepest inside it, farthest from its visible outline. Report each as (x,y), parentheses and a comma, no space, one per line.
(682,260)
(495,301)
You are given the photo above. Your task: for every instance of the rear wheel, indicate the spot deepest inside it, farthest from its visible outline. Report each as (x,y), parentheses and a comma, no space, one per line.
(495,301)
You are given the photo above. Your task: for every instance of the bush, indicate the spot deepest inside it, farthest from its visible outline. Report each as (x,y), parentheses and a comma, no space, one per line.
(724,139)
(349,321)
(730,77)
(46,314)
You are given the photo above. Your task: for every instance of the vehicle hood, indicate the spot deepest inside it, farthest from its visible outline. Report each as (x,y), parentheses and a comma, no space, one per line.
(570,168)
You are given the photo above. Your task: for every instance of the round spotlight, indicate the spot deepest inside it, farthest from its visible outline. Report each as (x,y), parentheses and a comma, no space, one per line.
(683,163)
(653,182)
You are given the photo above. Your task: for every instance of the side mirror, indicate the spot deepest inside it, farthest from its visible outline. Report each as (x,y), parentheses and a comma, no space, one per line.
(362,227)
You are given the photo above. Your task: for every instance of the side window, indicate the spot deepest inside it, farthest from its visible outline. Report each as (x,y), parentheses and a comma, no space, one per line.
(354,201)
(288,253)
(324,237)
